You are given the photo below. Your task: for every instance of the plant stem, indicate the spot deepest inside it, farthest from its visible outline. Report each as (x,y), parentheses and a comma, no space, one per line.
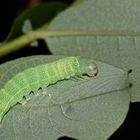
(16,44)
(20,42)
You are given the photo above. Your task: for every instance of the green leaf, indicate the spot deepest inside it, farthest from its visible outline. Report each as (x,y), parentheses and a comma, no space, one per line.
(115,37)
(37,16)
(89,108)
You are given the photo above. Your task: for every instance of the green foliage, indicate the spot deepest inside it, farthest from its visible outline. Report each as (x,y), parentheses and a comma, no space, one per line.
(75,108)
(38,15)
(89,108)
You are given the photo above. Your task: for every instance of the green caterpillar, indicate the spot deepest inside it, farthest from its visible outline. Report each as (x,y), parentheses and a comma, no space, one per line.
(43,75)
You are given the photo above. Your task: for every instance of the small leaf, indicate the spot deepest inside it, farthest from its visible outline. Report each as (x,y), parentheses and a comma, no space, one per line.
(38,15)
(91,108)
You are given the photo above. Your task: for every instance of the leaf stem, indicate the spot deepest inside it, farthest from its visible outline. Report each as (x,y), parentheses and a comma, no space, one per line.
(20,42)
(16,44)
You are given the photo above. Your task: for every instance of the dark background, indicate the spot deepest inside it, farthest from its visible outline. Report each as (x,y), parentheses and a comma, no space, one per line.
(9,10)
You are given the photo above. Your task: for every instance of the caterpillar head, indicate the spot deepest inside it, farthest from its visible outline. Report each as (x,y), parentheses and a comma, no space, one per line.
(88,67)
(91,69)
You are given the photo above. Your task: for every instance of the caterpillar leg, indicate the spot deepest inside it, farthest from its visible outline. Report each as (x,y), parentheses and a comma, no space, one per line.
(43,91)
(37,93)
(77,78)
(23,101)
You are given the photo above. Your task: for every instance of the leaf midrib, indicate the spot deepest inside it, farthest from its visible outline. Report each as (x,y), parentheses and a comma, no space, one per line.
(89,33)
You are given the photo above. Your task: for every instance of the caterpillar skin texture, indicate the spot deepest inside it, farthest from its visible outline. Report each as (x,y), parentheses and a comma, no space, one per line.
(40,76)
